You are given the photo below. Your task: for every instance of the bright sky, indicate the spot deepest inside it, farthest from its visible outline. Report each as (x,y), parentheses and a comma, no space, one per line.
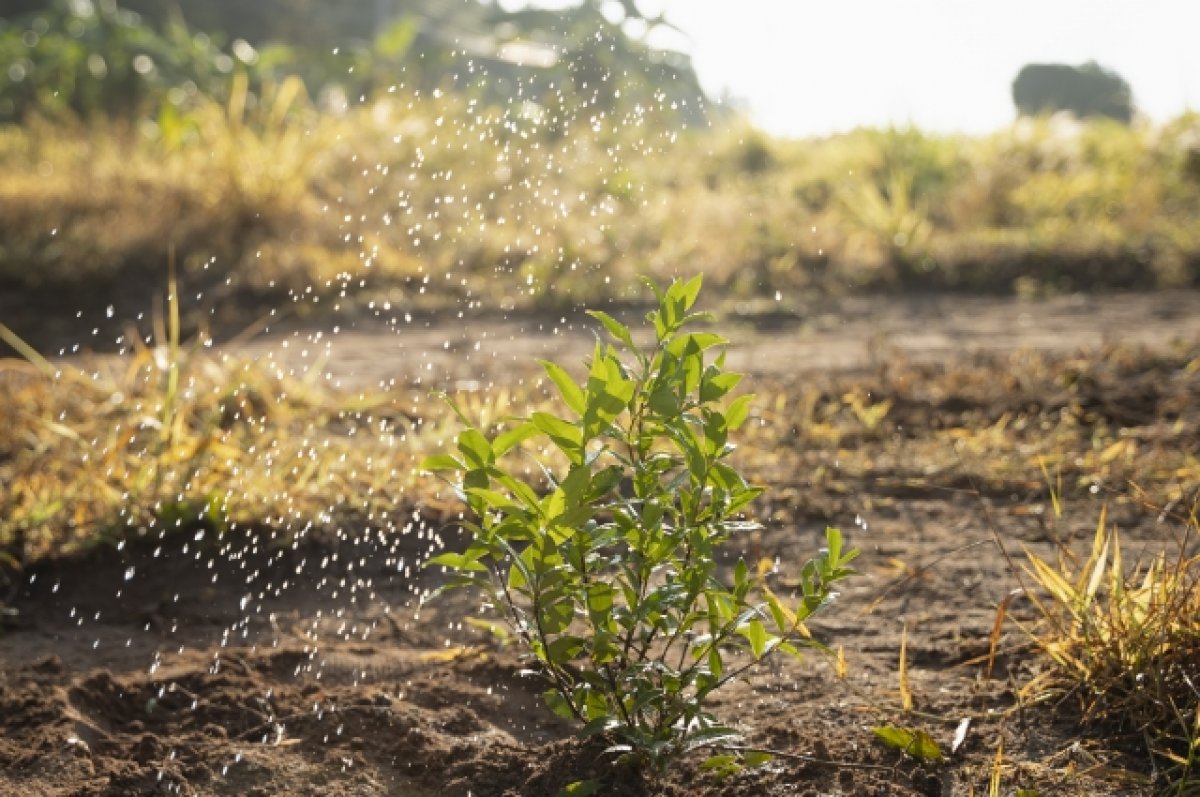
(809,68)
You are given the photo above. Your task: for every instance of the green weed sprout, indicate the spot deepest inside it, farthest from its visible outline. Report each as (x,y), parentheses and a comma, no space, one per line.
(609,576)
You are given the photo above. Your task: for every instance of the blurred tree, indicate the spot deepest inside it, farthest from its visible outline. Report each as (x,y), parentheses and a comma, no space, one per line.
(317,22)
(299,22)
(1087,90)
(87,59)
(591,52)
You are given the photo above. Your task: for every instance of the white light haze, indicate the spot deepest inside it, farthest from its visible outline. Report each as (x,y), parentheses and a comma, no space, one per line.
(810,68)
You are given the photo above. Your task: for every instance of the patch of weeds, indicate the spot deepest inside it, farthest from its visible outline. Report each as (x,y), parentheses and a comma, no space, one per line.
(1124,643)
(610,577)
(169,438)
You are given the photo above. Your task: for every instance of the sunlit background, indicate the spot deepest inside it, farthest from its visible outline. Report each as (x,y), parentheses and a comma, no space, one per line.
(801,67)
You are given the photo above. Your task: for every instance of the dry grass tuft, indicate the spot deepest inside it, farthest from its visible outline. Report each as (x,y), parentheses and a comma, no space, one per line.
(1124,643)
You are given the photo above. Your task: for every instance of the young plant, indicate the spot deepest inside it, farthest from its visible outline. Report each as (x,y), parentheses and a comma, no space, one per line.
(609,574)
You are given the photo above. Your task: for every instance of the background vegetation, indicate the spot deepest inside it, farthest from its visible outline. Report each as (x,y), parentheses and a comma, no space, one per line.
(431,173)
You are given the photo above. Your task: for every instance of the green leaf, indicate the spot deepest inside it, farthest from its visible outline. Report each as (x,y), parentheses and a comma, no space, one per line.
(671,307)
(737,411)
(722,765)
(571,394)
(716,432)
(518,577)
(608,394)
(558,704)
(716,384)
(604,481)
(695,342)
(600,602)
(664,401)
(567,436)
(619,331)
(604,649)
(794,652)
(778,613)
(522,491)
(693,368)
(562,507)
(476,448)
(595,706)
(660,327)
(915,743)
(512,437)
(476,477)
(715,665)
(442,462)
(473,479)
(474,581)
(653,286)
(598,726)
(692,448)
(564,648)
(557,616)
(690,290)
(493,499)
(756,758)
(743,497)
(833,543)
(456,561)
(501,634)
(725,477)
(580,788)
(757,636)
(720,607)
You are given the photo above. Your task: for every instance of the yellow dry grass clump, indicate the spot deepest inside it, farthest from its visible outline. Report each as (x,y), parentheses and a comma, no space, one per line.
(1124,643)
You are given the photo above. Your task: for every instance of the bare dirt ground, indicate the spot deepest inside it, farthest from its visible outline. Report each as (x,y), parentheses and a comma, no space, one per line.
(766,338)
(243,667)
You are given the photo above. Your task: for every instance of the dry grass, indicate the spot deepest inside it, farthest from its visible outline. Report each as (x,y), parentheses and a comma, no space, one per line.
(1124,644)
(97,449)
(103,451)
(111,450)
(994,425)
(444,200)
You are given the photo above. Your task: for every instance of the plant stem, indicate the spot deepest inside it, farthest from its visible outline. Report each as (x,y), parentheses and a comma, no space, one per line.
(808,759)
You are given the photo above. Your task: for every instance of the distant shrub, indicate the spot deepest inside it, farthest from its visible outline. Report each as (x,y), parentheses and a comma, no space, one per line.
(1087,90)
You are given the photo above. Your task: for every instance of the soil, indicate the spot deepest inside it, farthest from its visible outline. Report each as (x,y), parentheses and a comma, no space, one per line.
(250,667)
